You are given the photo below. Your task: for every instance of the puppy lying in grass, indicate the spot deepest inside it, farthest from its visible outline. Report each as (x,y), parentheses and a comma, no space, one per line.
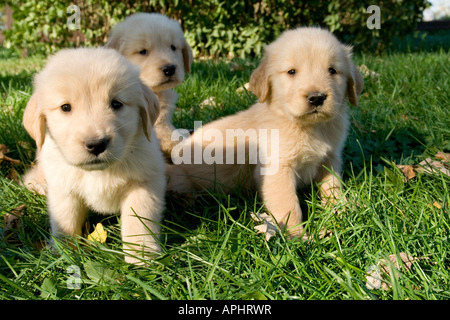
(294,135)
(92,120)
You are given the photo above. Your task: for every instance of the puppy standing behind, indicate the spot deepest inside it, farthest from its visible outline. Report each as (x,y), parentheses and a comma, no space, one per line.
(92,119)
(301,83)
(157,45)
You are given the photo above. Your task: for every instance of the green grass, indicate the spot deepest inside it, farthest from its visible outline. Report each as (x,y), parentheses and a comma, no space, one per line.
(210,247)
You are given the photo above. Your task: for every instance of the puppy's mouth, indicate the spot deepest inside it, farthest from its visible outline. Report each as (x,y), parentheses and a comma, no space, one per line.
(313,111)
(315,114)
(95,164)
(168,82)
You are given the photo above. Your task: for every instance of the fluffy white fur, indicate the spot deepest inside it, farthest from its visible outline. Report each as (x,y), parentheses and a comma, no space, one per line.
(128,176)
(300,63)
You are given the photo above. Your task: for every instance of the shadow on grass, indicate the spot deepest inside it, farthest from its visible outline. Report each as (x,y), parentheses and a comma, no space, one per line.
(422,41)
(400,145)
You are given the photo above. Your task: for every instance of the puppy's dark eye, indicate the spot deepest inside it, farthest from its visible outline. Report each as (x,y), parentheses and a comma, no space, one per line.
(173,47)
(116,105)
(332,71)
(143,52)
(292,72)
(66,107)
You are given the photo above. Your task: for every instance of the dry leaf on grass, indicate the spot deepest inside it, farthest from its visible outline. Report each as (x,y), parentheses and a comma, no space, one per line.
(208,102)
(428,165)
(99,234)
(4,157)
(366,72)
(437,205)
(443,156)
(373,278)
(12,219)
(269,227)
(377,273)
(245,87)
(11,222)
(407,170)
(13,175)
(431,166)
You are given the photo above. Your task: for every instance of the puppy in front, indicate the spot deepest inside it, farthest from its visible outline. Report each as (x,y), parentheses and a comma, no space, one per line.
(157,45)
(302,85)
(92,119)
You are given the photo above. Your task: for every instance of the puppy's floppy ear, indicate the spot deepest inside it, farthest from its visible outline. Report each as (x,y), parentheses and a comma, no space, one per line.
(259,81)
(34,121)
(187,57)
(114,42)
(355,81)
(149,111)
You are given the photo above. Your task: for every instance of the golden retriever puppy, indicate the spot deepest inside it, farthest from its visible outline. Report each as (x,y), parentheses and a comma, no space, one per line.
(92,120)
(157,45)
(294,135)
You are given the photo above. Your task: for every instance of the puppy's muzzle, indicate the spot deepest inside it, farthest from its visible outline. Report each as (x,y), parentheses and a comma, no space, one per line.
(316,98)
(169,70)
(97,146)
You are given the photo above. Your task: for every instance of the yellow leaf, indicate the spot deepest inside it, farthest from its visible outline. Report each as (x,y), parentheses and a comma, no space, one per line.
(99,234)
(437,205)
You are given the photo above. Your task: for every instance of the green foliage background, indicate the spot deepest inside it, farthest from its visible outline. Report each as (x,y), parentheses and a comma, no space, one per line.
(214,28)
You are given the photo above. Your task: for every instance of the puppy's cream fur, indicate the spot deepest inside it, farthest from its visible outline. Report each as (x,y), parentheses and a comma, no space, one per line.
(128,176)
(154,43)
(311,138)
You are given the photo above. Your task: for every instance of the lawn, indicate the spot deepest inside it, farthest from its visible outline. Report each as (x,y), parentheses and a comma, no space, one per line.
(211,249)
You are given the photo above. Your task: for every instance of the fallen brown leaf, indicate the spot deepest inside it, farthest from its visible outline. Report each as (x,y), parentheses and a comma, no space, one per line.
(406,259)
(407,170)
(12,219)
(377,273)
(11,222)
(428,165)
(268,226)
(431,166)
(4,157)
(443,156)
(14,176)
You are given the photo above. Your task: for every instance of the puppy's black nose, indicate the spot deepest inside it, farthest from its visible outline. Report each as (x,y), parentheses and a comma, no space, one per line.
(316,98)
(169,70)
(97,146)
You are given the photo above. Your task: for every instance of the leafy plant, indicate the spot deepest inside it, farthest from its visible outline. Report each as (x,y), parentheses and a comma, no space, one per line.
(212,27)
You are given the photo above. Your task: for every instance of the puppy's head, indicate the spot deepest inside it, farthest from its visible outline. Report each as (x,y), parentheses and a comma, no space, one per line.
(307,73)
(157,45)
(92,104)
